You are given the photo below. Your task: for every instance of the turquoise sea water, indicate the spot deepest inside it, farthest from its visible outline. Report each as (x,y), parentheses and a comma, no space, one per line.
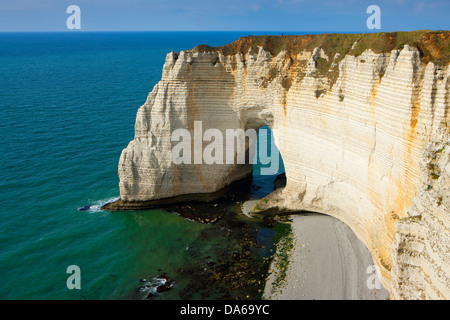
(68,103)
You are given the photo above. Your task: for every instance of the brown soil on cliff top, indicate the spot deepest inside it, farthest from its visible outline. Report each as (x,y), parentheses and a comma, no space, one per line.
(433,45)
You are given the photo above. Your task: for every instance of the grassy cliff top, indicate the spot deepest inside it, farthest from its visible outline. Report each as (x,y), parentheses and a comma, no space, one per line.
(433,45)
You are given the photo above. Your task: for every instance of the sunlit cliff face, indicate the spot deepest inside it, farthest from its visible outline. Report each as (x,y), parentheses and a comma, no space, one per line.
(351,129)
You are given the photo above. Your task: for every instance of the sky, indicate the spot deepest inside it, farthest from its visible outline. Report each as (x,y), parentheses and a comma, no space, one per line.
(224,15)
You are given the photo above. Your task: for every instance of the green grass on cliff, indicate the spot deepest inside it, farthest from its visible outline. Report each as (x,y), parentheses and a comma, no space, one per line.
(433,45)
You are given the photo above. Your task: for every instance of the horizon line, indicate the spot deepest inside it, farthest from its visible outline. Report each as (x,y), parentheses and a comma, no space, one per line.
(254,31)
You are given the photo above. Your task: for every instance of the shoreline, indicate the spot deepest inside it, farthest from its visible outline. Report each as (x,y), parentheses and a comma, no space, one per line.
(319,258)
(327,262)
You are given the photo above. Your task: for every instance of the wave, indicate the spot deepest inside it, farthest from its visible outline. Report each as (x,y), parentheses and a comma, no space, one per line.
(97,206)
(151,288)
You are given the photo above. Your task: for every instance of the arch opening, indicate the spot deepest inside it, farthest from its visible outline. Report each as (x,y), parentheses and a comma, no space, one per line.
(268,172)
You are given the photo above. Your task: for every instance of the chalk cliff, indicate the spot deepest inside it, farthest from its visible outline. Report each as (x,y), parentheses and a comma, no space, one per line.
(356,118)
(421,249)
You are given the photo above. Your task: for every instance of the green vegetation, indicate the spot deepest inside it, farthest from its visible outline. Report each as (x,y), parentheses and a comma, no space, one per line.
(386,265)
(284,242)
(433,169)
(439,150)
(286,82)
(322,66)
(434,176)
(319,93)
(432,45)
(273,73)
(414,218)
(431,166)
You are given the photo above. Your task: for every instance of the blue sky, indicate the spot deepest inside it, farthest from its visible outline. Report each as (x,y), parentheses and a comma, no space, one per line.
(232,15)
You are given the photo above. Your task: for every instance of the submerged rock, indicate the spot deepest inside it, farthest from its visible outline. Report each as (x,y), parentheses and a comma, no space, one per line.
(204,213)
(151,288)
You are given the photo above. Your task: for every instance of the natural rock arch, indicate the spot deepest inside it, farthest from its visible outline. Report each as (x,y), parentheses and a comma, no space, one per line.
(351,142)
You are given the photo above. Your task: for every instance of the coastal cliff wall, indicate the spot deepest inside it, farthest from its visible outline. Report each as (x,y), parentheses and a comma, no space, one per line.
(353,116)
(421,249)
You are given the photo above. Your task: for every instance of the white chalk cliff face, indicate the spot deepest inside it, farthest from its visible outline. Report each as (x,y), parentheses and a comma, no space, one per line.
(421,247)
(352,149)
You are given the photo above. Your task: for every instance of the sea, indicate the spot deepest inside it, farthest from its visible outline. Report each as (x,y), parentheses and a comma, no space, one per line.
(68,103)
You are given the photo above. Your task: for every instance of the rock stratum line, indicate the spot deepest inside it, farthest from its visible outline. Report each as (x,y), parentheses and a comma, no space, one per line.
(363,128)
